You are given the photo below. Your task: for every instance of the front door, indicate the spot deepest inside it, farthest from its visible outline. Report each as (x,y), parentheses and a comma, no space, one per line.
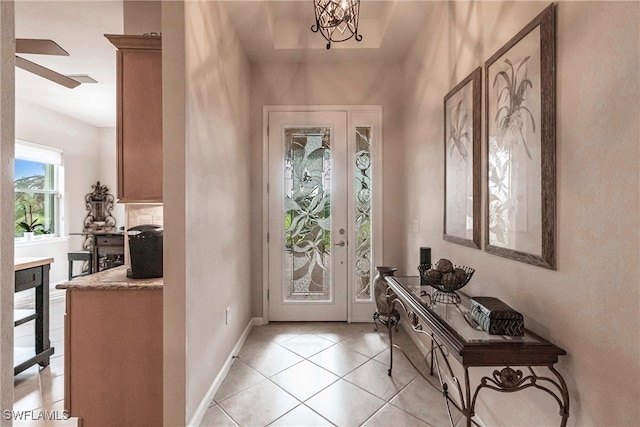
(319,222)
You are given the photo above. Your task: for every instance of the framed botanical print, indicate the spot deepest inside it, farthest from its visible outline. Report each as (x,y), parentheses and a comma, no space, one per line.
(520,139)
(462,161)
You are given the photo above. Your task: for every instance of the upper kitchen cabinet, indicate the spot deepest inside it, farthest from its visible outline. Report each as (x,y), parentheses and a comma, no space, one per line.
(139,122)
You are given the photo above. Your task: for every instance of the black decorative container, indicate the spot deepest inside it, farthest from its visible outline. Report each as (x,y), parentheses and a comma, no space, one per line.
(425,263)
(496,317)
(145,249)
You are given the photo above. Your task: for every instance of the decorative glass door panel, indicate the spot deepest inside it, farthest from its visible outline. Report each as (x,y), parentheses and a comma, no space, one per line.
(307,214)
(322,228)
(363,214)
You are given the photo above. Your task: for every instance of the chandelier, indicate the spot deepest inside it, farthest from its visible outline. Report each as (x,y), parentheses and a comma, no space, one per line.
(337,20)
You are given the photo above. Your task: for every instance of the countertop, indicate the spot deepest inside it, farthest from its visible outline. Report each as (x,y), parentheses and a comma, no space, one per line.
(111,279)
(22,263)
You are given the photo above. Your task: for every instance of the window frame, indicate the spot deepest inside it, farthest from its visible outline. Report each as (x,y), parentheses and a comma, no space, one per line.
(52,158)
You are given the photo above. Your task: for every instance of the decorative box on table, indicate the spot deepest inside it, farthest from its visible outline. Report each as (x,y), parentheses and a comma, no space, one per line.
(496,317)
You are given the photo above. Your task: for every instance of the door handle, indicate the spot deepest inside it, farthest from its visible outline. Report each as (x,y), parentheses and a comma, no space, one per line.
(340,243)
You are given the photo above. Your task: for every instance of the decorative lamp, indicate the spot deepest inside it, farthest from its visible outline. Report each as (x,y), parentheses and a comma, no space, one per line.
(337,20)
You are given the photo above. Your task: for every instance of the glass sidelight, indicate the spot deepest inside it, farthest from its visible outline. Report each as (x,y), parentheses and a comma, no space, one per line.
(362,216)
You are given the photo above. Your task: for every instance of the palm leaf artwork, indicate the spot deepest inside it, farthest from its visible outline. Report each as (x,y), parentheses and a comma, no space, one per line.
(512,114)
(500,204)
(459,143)
(308,212)
(459,132)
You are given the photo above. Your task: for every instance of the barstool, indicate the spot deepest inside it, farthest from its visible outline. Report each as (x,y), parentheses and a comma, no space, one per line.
(80,256)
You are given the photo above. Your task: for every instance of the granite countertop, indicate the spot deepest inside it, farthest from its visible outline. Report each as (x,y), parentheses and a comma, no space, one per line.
(114,278)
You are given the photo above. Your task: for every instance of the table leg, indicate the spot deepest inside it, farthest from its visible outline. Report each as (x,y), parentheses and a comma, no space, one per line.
(509,380)
(42,315)
(94,250)
(390,348)
(468,408)
(433,354)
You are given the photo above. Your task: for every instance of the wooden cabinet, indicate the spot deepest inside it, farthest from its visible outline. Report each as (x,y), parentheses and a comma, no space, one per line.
(113,350)
(139,117)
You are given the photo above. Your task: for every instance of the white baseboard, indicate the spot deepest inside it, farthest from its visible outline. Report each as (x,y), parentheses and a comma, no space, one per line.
(198,416)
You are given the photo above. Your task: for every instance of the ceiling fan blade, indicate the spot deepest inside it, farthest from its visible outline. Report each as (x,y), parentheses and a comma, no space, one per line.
(46,73)
(39,47)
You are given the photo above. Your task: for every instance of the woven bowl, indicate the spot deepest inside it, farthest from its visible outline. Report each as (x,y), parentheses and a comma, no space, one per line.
(438,283)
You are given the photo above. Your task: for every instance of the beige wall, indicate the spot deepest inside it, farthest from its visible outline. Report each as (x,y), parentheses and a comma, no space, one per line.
(174,172)
(209,204)
(7,144)
(213,200)
(142,17)
(590,305)
(346,83)
(83,158)
(107,169)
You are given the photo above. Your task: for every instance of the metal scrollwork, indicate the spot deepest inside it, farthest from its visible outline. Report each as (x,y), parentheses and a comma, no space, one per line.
(508,378)
(413,319)
(504,379)
(99,204)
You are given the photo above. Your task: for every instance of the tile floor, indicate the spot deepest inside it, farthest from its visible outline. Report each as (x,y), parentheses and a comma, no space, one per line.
(39,392)
(325,374)
(286,374)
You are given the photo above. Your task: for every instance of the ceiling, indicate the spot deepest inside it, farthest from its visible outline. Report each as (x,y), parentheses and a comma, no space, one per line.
(79,28)
(281,30)
(268,30)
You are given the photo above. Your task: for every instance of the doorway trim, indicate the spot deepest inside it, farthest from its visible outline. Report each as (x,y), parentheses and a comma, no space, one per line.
(357,311)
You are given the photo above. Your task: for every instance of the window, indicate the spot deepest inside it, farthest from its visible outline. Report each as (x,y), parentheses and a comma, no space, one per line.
(38,174)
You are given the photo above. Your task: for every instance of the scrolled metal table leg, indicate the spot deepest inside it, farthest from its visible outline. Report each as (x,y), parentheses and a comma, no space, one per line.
(390,349)
(509,380)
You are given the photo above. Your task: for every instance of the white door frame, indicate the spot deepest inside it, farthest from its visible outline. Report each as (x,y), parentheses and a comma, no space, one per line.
(357,115)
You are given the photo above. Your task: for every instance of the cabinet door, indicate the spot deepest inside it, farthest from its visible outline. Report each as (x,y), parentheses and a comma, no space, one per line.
(140,145)
(113,356)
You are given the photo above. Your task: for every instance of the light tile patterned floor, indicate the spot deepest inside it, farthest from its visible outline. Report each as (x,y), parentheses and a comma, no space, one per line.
(286,374)
(326,374)
(39,392)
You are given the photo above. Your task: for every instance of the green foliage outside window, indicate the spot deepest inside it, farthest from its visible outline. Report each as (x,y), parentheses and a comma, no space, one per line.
(34,202)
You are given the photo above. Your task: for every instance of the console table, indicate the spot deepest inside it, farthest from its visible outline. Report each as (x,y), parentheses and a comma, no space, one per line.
(33,273)
(106,247)
(453,334)
(105,244)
